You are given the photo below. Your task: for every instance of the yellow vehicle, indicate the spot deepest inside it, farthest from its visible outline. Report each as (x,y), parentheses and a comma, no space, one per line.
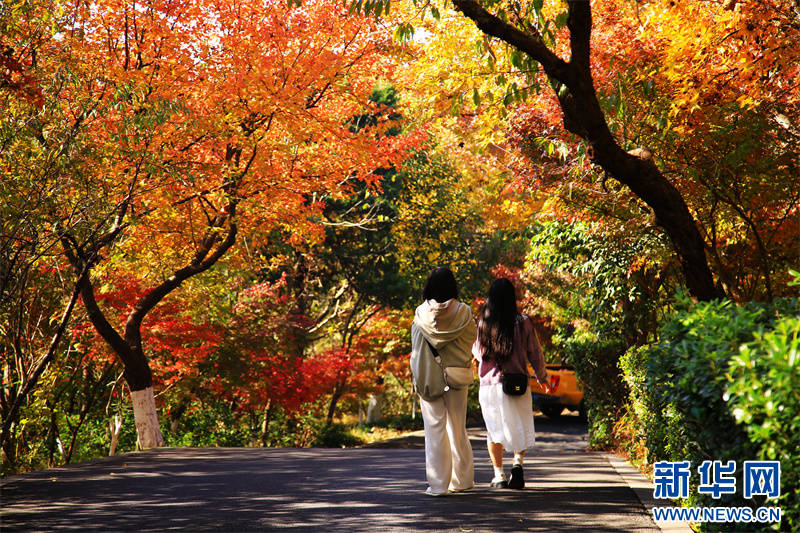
(565,391)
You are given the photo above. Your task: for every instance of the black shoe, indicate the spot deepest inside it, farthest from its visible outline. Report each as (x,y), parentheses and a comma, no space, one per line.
(517,481)
(503,484)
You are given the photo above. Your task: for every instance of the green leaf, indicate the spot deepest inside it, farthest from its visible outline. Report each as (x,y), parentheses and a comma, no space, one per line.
(516,58)
(404,32)
(476,97)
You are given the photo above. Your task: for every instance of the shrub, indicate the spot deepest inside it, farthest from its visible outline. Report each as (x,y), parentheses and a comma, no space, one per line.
(211,423)
(763,395)
(596,366)
(678,388)
(336,436)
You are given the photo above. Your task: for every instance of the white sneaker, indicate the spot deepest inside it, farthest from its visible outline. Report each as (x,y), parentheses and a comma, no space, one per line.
(430,492)
(499,482)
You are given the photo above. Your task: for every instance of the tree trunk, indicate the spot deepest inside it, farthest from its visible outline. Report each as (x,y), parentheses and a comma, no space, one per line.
(115,426)
(671,213)
(52,437)
(146,417)
(337,393)
(265,424)
(136,369)
(9,445)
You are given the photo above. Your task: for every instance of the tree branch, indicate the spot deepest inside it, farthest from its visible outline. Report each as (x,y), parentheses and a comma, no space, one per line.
(10,415)
(101,324)
(202,260)
(530,43)
(579,23)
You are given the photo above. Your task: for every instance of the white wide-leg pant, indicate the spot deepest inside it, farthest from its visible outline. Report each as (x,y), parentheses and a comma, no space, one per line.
(448,454)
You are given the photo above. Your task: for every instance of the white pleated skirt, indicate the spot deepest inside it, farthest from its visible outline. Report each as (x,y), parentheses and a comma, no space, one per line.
(509,419)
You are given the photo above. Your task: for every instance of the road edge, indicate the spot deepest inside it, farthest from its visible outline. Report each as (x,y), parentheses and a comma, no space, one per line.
(643,489)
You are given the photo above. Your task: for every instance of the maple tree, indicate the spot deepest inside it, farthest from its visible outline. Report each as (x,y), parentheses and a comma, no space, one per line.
(169,128)
(379,349)
(719,124)
(731,118)
(733,160)
(583,116)
(263,365)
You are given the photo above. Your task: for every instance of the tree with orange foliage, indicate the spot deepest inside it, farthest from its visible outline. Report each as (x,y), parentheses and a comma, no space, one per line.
(603,59)
(169,128)
(716,105)
(583,116)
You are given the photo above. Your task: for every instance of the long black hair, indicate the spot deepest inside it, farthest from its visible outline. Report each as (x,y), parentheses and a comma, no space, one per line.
(497,318)
(440,286)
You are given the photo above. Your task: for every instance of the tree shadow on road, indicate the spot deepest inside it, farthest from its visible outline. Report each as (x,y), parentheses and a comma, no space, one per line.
(225,489)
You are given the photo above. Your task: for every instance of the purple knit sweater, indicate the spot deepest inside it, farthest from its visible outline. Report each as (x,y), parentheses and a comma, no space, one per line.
(526,350)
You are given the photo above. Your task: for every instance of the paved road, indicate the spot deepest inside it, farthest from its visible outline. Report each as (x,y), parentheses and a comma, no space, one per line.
(378,488)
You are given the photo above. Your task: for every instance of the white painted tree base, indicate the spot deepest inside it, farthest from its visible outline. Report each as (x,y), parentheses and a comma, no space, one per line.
(375,408)
(115,425)
(146,417)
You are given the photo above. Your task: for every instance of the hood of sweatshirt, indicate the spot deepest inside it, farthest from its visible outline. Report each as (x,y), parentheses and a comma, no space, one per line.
(444,322)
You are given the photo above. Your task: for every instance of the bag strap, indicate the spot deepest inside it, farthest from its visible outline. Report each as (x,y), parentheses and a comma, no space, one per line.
(438,359)
(434,351)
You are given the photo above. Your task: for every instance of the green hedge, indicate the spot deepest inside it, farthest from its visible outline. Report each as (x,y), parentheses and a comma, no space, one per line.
(721,384)
(765,395)
(596,367)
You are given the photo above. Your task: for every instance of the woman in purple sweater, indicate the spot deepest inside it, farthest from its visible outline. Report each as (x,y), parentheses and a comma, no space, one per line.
(506,342)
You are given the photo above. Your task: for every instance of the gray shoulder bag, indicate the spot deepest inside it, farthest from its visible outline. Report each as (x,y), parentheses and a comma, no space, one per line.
(455,377)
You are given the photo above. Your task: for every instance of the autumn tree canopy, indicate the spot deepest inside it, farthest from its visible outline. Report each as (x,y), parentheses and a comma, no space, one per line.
(223,211)
(655,103)
(166,129)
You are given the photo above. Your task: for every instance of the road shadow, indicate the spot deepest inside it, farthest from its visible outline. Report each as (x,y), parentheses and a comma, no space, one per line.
(368,489)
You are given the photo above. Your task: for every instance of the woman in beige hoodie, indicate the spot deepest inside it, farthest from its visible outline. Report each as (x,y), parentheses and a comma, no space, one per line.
(445,326)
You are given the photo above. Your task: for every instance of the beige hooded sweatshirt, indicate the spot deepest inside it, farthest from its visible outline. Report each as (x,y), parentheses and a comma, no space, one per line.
(451,329)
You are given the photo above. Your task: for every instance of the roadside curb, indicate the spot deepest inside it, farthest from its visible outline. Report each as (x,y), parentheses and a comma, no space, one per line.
(643,488)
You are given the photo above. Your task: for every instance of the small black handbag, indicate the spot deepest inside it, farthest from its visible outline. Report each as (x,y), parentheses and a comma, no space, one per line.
(515,384)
